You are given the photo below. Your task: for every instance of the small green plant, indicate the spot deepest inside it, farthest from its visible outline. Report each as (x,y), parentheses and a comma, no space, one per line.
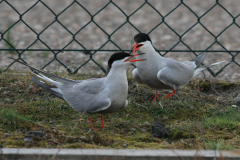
(219,145)
(10,44)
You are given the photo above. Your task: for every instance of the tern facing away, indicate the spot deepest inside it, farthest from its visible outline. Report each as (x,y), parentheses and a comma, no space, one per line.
(97,95)
(163,73)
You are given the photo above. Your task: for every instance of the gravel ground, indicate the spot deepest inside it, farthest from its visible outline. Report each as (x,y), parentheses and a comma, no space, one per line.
(91,37)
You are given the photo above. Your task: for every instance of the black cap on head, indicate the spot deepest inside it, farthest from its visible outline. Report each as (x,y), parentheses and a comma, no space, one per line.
(142,37)
(115,57)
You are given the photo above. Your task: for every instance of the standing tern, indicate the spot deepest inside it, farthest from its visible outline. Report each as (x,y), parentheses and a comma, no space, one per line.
(97,95)
(163,73)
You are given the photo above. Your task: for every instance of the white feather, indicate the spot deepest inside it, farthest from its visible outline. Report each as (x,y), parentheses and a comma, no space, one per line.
(47,79)
(197,71)
(217,63)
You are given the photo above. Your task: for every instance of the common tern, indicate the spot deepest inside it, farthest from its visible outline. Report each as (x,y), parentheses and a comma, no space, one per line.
(99,95)
(163,73)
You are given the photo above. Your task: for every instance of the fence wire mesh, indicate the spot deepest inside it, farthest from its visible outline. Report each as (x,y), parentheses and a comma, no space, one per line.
(37,30)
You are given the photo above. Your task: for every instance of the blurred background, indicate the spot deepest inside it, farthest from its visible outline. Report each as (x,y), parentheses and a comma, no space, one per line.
(109,26)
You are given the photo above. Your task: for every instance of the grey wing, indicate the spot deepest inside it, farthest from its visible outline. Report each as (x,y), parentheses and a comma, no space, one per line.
(136,76)
(175,77)
(47,87)
(89,96)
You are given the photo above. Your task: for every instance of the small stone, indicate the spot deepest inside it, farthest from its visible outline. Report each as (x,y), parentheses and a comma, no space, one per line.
(64,106)
(237,100)
(234,106)
(211,108)
(125,145)
(27,139)
(133,129)
(82,137)
(210,95)
(7,100)
(6,92)
(165,118)
(6,135)
(34,135)
(120,124)
(143,130)
(146,123)
(20,91)
(159,130)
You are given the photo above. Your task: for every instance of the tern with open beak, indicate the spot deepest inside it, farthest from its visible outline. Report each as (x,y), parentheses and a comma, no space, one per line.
(163,73)
(99,95)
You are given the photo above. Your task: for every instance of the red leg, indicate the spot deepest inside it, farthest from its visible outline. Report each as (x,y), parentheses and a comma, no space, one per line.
(169,95)
(90,120)
(156,95)
(102,122)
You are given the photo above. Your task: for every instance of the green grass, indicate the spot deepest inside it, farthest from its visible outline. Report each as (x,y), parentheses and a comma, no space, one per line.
(230,119)
(219,145)
(11,120)
(195,113)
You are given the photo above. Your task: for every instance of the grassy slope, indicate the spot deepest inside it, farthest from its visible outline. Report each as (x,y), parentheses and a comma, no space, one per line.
(195,113)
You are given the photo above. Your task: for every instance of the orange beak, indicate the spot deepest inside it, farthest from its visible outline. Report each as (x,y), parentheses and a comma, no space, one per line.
(136,47)
(135,60)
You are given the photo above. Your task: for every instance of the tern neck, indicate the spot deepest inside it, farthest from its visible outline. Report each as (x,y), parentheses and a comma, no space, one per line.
(149,50)
(151,54)
(117,72)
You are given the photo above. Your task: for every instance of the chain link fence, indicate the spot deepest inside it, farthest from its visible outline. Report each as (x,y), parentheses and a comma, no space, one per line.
(177,29)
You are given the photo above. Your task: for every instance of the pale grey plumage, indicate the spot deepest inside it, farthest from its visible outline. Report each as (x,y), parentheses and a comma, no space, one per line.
(99,95)
(164,73)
